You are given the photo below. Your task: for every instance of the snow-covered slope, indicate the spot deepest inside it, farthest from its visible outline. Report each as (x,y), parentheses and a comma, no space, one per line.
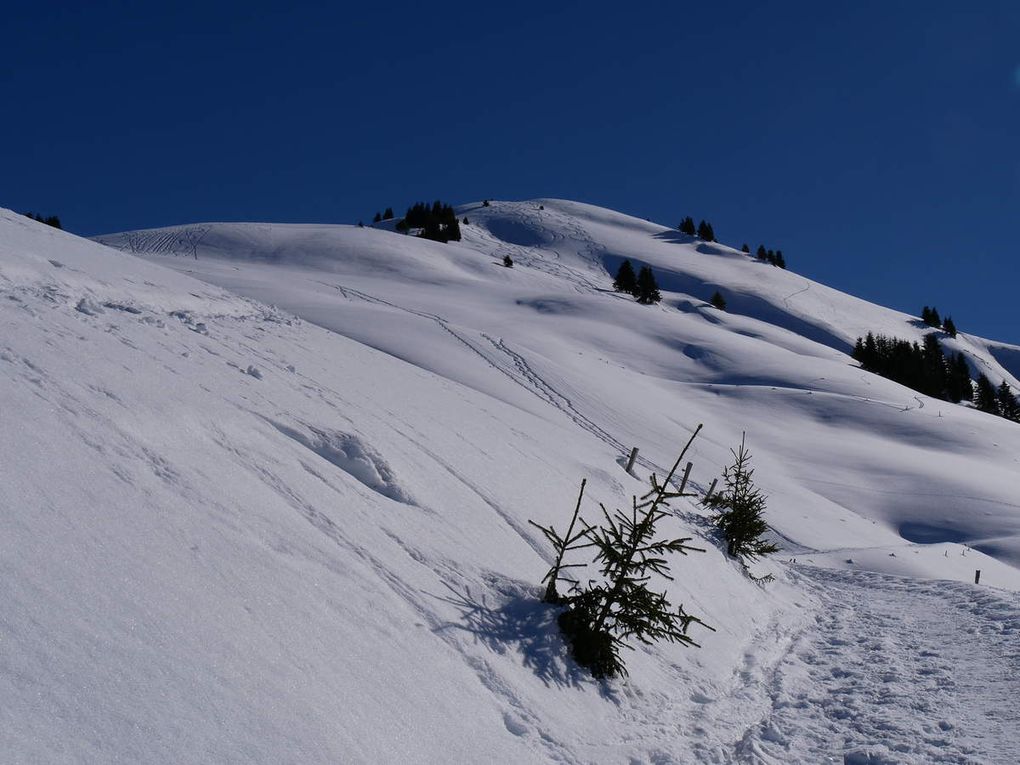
(237,533)
(850,460)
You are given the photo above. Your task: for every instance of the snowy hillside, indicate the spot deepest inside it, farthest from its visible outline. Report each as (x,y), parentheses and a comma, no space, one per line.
(550,337)
(241,533)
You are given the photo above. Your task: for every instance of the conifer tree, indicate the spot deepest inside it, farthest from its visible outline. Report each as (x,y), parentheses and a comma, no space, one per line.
(780,260)
(770,257)
(930,316)
(761,253)
(647,290)
(985,397)
(740,509)
(377,217)
(360,224)
(934,379)
(485,203)
(687,226)
(508,261)
(602,616)
(719,301)
(948,326)
(705,232)
(388,215)
(958,384)
(1009,407)
(626,280)
(745,249)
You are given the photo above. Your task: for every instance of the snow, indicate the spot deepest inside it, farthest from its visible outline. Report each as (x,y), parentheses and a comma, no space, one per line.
(270,504)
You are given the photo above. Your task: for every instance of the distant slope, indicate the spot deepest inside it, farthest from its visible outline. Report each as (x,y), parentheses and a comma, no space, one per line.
(850,459)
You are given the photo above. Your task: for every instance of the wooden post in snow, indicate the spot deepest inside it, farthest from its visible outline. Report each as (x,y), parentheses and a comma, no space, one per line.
(630,461)
(687,473)
(710,490)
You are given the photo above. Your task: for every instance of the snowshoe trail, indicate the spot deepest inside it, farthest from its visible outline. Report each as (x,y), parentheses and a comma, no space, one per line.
(890,673)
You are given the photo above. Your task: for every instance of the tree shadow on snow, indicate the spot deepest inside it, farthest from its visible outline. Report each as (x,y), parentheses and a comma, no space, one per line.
(521,624)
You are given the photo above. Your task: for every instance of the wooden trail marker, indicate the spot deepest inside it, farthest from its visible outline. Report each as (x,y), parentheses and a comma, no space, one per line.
(630,461)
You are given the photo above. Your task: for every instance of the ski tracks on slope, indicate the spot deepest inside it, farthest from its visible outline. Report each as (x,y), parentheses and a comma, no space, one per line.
(177,241)
(895,670)
(518,370)
(528,216)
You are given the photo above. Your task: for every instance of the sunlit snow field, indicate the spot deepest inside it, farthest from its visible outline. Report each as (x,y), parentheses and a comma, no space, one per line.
(266,493)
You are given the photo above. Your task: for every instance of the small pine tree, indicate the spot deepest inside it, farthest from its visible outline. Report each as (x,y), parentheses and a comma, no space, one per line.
(770,258)
(626,280)
(780,260)
(985,397)
(719,301)
(687,226)
(926,316)
(958,384)
(601,617)
(360,224)
(388,215)
(508,261)
(705,232)
(647,290)
(948,326)
(485,203)
(761,253)
(745,249)
(740,509)
(1009,407)
(465,221)
(377,217)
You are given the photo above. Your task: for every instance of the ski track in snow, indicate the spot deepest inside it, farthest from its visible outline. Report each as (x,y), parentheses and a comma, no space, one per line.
(519,371)
(895,670)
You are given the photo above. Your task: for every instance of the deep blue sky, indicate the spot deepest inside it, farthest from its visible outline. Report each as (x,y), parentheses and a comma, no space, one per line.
(876,144)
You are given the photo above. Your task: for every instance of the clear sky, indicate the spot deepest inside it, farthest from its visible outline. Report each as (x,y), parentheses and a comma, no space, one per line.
(875,143)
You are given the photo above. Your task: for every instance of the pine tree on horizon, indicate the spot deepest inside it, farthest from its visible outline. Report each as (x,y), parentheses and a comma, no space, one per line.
(949,327)
(718,301)
(706,232)
(687,226)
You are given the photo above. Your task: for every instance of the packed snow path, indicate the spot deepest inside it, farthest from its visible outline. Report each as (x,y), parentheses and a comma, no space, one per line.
(896,670)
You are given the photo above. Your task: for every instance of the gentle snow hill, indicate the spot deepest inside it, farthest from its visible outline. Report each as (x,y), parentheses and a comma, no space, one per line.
(228,534)
(849,459)
(232,536)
